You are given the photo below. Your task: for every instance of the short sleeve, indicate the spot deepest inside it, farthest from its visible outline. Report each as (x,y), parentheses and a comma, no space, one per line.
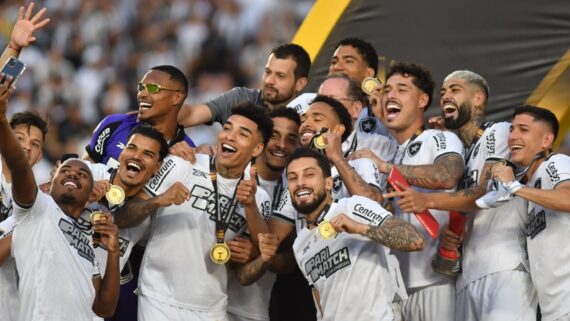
(444,143)
(100,136)
(221,106)
(174,169)
(362,210)
(284,210)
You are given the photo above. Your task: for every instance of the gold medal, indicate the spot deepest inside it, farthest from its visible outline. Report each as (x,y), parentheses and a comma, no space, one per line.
(319,142)
(327,231)
(369,84)
(220,253)
(96,216)
(115,195)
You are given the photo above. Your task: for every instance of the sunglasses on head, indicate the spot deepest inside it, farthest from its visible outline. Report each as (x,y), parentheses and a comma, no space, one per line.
(152,88)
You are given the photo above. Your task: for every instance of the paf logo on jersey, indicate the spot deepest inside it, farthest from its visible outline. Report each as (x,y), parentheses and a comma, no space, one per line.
(77,239)
(326,264)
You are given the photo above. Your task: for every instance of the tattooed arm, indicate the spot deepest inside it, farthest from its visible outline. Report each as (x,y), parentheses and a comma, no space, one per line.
(252,271)
(137,209)
(354,183)
(393,233)
(445,172)
(412,201)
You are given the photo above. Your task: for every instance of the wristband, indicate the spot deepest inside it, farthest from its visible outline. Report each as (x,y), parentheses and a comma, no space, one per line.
(513,186)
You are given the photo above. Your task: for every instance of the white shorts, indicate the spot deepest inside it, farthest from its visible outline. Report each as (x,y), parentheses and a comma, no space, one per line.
(501,296)
(432,303)
(153,310)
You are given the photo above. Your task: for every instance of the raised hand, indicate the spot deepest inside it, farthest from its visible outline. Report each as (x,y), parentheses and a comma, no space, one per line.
(175,195)
(247,188)
(109,233)
(99,189)
(334,145)
(437,122)
(268,245)
(26,25)
(243,250)
(183,150)
(503,172)
(410,200)
(367,153)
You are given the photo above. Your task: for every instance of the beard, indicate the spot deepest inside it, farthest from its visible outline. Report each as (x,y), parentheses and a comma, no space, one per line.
(310,207)
(277,98)
(464,115)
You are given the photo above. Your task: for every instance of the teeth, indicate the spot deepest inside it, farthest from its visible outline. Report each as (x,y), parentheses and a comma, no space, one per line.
(278,154)
(303,193)
(144,105)
(307,134)
(516,147)
(135,165)
(228,148)
(70,183)
(449,108)
(393,108)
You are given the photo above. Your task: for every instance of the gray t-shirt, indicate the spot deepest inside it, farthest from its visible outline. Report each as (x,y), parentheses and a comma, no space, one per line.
(221,106)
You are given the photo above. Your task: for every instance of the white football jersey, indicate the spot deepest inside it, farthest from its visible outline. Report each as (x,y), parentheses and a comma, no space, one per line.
(424,150)
(344,268)
(547,239)
(55,261)
(176,267)
(494,238)
(8,274)
(128,237)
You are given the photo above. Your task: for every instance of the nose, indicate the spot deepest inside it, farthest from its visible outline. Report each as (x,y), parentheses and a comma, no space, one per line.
(269,79)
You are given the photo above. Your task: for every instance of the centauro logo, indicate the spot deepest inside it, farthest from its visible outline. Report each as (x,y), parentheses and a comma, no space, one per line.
(368,214)
(326,264)
(77,239)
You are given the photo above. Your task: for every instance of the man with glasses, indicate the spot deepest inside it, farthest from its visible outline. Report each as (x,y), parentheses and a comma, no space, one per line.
(161,93)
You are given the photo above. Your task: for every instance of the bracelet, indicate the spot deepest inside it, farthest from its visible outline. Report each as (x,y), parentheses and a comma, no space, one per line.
(13,47)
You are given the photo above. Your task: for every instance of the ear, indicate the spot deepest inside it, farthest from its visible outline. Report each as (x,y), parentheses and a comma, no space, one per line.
(478,99)
(356,109)
(257,150)
(300,84)
(178,99)
(339,129)
(369,72)
(423,101)
(547,140)
(328,183)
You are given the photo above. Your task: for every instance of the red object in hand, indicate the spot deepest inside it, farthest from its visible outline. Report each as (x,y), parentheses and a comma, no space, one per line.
(426,219)
(456,225)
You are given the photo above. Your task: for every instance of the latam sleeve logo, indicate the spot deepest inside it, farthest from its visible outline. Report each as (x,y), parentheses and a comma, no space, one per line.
(326,264)
(101,140)
(77,239)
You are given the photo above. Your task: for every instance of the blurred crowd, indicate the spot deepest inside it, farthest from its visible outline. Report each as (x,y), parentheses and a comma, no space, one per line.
(85,64)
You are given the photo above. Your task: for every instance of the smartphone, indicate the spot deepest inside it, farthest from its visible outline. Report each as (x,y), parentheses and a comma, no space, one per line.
(14,68)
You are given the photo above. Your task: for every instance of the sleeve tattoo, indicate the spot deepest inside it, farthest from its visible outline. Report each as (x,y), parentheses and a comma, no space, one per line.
(134,212)
(397,234)
(445,172)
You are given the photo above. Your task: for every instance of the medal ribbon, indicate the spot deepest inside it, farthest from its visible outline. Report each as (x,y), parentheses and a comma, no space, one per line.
(221,221)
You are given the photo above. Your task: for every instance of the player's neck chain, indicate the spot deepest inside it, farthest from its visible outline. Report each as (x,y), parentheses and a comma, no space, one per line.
(320,217)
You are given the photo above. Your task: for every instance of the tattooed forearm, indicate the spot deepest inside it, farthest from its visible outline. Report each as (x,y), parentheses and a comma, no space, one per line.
(355,184)
(445,173)
(397,234)
(250,272)
(134,212)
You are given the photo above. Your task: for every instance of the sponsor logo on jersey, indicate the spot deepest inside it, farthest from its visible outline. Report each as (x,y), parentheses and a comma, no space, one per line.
(77,239)
(337,184)
(164,170)
(367,124)
(440,141)
(491,140)
(266,210)
(537,223)
(414,148)
(471,178)
(203,199)
(368,214)
(298,108)
(282,200)
(552,173)
(200,173)
(120,145)
(326,264)
(101,140)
